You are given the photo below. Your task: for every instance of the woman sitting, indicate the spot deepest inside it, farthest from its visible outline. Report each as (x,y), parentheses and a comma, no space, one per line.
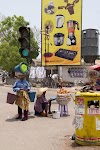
(41,104)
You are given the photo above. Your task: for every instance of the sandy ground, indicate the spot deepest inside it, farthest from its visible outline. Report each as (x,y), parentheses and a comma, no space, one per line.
(37,133)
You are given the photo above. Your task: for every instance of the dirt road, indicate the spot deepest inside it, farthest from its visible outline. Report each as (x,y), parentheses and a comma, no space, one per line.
(36,133)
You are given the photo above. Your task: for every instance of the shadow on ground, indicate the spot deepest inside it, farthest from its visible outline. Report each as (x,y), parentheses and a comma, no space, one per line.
(74,144)
(14,118)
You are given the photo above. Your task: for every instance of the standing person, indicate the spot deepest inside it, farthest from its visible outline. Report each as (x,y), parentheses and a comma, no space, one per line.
(60,82)
(41,104)
(3,77)
(21,87)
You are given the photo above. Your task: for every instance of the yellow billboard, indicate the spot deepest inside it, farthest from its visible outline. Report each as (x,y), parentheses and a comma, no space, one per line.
(61,32)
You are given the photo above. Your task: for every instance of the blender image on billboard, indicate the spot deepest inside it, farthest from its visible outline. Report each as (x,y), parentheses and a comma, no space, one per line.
(71,40)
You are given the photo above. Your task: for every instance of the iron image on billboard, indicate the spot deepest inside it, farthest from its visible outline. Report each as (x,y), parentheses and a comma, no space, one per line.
(61,32)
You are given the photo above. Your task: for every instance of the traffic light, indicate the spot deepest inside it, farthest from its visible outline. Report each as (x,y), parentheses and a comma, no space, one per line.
(24,41)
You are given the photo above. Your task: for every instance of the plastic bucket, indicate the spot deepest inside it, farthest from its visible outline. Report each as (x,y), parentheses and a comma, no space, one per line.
(56,114)
(32,96)
(22,68)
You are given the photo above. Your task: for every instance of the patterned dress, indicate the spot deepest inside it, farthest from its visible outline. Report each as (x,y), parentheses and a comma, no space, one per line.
(21,87)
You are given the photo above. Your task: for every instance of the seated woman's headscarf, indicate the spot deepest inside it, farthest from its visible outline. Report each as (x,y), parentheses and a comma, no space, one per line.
(41,91)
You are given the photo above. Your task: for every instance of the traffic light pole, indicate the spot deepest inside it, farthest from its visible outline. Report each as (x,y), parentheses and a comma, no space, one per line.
(28,59)
(24,40)
(28,63)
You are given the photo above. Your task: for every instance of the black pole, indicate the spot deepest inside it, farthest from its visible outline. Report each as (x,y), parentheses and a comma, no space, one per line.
(28,63)
(28,58)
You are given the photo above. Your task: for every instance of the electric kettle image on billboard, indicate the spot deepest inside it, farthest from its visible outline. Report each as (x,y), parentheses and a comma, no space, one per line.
(59,39)
(59,21)
(71,40)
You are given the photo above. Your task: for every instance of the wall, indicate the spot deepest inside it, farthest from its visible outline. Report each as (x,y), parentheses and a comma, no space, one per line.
(66,76)
(10,81)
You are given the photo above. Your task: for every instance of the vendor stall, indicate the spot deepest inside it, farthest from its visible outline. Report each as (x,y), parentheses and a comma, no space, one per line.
(87,118)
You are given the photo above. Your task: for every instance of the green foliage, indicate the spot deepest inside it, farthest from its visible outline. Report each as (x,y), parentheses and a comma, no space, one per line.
(9,45)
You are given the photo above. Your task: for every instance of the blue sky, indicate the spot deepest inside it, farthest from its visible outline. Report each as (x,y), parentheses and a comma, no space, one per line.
(31,11)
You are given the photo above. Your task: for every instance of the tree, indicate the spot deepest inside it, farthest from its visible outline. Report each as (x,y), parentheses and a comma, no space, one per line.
(9,45)
(37,35)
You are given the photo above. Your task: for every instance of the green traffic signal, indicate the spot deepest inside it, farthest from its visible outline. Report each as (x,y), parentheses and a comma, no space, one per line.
(24,52)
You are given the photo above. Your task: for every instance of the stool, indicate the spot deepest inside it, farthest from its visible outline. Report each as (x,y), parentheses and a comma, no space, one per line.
(63,110)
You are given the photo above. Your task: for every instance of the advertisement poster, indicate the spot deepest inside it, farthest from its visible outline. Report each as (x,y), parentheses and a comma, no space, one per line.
(79,110)
(61,32)
(79,121)
(93,107)
(97,123)
(93,111)
(79,107)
